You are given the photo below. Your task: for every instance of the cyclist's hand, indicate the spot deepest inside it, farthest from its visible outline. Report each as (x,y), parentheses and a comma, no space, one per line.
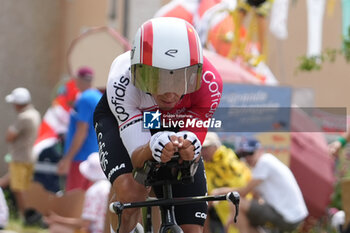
(163,146)
(189,145)
(186,150)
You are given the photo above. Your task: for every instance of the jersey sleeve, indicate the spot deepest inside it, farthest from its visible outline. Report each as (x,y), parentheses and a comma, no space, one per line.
(205,101)
(124,101)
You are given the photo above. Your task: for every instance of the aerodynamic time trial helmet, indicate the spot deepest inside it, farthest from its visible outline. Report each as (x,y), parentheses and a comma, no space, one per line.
(166,57)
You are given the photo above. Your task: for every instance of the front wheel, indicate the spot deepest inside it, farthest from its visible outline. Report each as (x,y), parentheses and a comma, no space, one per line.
(171,229)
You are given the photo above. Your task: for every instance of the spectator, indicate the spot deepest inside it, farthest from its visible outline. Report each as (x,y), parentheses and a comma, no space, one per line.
(341,142)
(46,165)
(20,137)
(261,9)
(95,204)
(334,149)
(4,211)
(282,203)
(223,169)
(80,139)
(50,141)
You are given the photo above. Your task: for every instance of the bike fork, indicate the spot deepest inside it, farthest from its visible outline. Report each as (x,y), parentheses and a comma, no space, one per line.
(167,211)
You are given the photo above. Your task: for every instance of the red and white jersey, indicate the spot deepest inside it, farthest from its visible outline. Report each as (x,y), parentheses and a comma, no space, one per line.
(128,103)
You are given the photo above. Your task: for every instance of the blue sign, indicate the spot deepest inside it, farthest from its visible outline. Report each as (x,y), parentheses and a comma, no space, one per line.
(151,120)
(253,108)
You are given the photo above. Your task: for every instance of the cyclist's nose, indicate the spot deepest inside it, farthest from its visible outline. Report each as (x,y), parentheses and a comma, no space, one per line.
(169,95)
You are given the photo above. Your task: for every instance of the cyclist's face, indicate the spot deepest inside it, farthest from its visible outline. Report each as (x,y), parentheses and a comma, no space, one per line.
(167,101)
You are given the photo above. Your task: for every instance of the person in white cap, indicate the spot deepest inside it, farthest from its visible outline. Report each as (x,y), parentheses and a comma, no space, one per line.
(20,137)
(95,203)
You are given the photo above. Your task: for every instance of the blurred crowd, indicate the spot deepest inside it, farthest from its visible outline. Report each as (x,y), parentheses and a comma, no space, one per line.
(59,160)
(271,198)
(59,151)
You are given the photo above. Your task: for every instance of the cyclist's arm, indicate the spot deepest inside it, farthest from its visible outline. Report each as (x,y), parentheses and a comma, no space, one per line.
(134,139)
(141,155)
(124,101)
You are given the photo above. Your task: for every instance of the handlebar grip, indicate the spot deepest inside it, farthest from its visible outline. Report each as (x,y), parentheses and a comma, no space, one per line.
(116,207)
(234,197)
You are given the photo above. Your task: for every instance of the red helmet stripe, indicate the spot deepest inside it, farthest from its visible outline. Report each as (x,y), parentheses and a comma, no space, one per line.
(192,41)
(147,43)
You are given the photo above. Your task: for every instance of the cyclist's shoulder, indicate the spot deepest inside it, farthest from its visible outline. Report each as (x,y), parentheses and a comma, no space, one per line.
(121,59)
(210,73)
(120,66)
(119,78)
(211,85)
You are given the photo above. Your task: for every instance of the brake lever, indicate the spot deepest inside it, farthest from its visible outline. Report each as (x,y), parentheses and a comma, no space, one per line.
(117,207)
(234,198)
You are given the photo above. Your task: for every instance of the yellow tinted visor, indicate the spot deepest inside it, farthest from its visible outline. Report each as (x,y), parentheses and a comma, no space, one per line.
(158,81)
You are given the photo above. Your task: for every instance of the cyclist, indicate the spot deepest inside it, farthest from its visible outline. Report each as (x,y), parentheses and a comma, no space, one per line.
(165,72)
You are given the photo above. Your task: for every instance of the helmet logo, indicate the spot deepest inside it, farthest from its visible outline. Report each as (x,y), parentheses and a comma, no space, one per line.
(171,52)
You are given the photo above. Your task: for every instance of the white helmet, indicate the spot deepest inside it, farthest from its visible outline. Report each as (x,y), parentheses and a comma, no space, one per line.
(166,57)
